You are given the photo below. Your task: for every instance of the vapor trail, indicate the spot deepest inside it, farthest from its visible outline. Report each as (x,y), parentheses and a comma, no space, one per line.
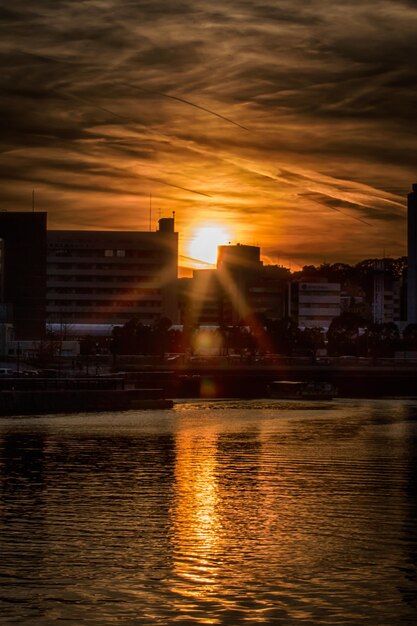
(125,119)
(184,101)
(353,217)
(151,91)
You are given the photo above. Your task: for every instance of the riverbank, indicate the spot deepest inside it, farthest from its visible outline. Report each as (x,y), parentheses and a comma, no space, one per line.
(204,380)
(155,388)
(65,401)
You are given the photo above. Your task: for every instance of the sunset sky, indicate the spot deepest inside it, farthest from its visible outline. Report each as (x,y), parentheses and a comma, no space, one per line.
(288,124)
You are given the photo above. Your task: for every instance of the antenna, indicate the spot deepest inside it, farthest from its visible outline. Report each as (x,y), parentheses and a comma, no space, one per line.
(150,211)
(33,200)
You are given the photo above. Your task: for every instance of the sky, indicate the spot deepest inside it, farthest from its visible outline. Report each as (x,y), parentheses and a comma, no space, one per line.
(286,124)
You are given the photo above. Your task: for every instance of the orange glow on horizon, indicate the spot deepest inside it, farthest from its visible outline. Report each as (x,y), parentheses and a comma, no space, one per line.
(205,239)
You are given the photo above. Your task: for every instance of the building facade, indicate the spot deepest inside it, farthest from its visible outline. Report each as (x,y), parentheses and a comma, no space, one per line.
(98,279)
(238,267)
(23,272)
(314,304)
(386,295)
(240,287)
(412,256)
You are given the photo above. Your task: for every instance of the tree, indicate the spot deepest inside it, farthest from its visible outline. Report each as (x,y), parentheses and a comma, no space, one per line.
(160,336)
(384,339)
(312,339)
(343,334)
(283,335)
(410,337)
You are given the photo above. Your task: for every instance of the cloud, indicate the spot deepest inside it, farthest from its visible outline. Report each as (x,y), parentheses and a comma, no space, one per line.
(126,98)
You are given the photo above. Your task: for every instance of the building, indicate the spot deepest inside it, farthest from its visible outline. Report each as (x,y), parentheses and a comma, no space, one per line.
(98,279)
(386,295)
(239,287)
(353,300)
(314,303)
(202,303)
(267,291)
(238,267)
(23,272)
(412,256)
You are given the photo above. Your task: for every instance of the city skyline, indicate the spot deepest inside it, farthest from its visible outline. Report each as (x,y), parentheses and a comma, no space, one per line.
(286,124)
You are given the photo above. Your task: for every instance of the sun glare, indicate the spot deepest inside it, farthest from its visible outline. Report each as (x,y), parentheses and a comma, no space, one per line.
(204,241)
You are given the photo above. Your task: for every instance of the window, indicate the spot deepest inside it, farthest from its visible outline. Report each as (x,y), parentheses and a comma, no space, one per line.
(108,252)
(120,253)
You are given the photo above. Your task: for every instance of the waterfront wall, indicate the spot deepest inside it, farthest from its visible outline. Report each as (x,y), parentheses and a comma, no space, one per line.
(253,382)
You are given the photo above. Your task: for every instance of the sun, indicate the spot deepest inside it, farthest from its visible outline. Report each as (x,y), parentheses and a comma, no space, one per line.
(204,241)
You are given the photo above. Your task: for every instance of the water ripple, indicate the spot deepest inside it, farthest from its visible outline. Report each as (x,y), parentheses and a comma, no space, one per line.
(212,513)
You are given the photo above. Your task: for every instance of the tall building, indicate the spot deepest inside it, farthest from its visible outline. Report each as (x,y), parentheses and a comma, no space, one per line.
(238,266)
(412,256)
(203,303)
(98,279)
(23,272)
(239,287)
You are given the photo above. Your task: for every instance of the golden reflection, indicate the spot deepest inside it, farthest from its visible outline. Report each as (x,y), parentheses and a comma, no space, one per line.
(195,521)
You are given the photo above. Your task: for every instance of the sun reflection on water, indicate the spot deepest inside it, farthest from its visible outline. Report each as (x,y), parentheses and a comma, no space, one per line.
(195,522)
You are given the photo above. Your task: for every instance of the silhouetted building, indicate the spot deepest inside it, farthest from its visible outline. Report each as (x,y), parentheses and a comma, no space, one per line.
(23,272)
(203,304)
(239,287)
(238,267)
(268,291)
(412,257)
(97,279)
(239,258)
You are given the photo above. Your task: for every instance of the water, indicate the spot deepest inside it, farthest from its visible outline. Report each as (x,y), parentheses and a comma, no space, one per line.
(230,512)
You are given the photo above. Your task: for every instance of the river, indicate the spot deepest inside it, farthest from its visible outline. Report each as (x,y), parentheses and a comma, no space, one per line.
(225,512)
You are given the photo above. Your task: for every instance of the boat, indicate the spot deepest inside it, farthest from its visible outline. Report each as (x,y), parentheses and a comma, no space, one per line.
(302,390)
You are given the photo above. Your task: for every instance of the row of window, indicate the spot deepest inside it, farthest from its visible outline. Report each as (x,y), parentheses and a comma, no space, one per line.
(319,293)
(315,317)
(104,266)
(319,305)
(73,317)
(108,291)
(108,303)
(100,252)
(102,279)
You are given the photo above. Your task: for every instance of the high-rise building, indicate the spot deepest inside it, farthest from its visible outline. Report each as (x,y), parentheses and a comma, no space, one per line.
(23,272)
(412,257)
(98,279)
